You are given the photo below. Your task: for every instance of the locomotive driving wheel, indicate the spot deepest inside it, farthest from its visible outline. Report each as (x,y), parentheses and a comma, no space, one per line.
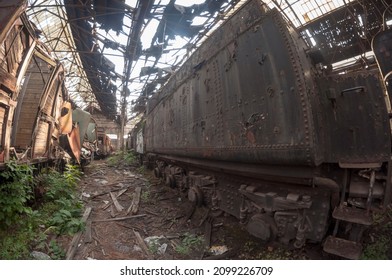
(262,226)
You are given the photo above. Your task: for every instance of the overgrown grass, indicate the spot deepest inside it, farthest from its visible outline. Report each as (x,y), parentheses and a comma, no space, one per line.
(33,222)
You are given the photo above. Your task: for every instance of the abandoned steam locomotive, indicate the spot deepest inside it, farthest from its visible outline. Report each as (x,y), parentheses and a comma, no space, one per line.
(257,125)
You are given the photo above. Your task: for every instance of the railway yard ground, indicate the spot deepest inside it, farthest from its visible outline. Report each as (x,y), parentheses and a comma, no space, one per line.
(118,210)
(135,216)
(132,215)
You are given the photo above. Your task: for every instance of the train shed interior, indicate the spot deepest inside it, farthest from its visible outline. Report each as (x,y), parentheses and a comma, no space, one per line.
(117,54)
(89,82)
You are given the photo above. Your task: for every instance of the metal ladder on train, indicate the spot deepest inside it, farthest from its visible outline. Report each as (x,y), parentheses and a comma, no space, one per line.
(350,248)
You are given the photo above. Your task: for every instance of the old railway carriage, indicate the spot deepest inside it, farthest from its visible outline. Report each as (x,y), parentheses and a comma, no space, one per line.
(31,91)
(252,124)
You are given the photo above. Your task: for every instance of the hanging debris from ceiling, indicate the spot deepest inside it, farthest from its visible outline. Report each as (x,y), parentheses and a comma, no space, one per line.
(99,69)
(110,14)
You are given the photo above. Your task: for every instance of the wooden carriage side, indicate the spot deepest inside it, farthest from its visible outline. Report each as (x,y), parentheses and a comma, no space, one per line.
(31,91)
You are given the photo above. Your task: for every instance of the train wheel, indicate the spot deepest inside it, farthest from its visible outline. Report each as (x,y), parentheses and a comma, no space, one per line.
(195,195)
(170,181)
(157,173)
(262,226)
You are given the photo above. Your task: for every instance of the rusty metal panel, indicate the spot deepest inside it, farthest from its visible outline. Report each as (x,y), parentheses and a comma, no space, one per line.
(65,119)
(74,143)
(82,118)
(354,113)
(242,97)
(250,94)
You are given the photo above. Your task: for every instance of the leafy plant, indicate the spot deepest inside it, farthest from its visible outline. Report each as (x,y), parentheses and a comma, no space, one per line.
(145,195)
(59,211)
(66,221)
(141,169)
(189,242)
(122,157)
(72,175)
(129,158)
(15,246)
(16,190)
(56,251)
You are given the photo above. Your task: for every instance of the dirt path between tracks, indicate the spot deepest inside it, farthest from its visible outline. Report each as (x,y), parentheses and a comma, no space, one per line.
(132,215)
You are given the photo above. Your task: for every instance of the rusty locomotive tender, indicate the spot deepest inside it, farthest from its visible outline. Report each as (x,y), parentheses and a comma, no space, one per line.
(256,125)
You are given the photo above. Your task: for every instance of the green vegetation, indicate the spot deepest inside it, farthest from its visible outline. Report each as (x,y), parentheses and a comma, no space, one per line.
(145,195)
(381,241)
(122,158)
(16,189)
(35,211)
(189,243)
(141,169)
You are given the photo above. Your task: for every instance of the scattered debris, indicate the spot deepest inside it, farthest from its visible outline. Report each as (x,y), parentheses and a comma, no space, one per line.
(102,182)
(155,244)
(120,218)
(40,256)
(86,194)
(159,230)
(118,206)
(218,249)
(75,240)
(142,245)
(135,201)
(87,235)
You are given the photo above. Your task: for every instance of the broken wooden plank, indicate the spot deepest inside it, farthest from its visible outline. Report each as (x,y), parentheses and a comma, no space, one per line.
(106,206)
(75,240)
(121,192)
(142,245)
(135,201)
(130,206)
(106,192)
(121,218)
(112,214)
(118,206)
(152,213)
(87,235)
